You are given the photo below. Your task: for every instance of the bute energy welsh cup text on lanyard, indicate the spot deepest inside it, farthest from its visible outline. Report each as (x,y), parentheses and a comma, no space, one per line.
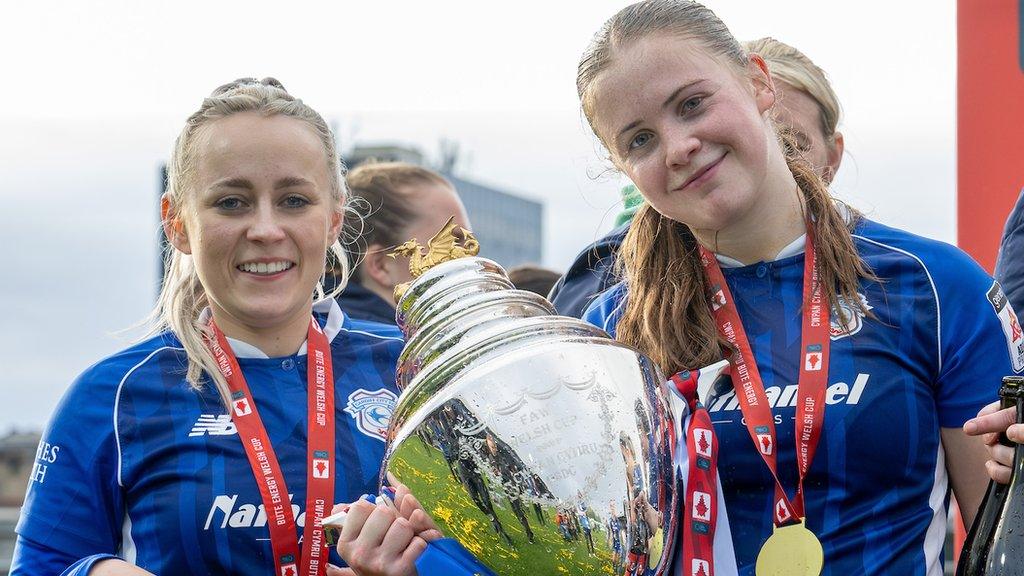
(792,549)
(265,467)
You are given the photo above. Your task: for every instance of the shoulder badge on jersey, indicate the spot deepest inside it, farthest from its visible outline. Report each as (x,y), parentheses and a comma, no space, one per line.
(372,411)
(851,319)
(1011,326)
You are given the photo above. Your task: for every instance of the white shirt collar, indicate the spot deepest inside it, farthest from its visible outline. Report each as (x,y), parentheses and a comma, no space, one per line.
(792,249)
(329,306)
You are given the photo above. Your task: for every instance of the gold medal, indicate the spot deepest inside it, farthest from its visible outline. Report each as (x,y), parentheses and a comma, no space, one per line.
(790,551)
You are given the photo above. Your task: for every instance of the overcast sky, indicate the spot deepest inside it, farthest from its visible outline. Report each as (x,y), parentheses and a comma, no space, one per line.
(93,94)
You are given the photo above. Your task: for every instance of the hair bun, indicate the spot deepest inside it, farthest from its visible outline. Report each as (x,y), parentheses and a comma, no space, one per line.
(271,81)
(239,83)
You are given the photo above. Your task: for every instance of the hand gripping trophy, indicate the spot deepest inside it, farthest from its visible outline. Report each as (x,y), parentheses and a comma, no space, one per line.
(538,442)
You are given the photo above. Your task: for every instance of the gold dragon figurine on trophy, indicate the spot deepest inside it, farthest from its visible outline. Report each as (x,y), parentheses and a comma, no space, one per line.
(453,241)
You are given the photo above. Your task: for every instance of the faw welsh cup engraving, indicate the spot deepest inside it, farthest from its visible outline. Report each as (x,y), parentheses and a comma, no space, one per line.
(538,442)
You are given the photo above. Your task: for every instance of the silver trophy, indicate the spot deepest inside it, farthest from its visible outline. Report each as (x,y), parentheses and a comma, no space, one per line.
(538,442)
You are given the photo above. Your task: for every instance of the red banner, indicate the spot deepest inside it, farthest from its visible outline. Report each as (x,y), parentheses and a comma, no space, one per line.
(990,122)
(990,130)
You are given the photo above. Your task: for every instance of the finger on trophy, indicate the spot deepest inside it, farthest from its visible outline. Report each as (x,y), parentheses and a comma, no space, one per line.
(335,523)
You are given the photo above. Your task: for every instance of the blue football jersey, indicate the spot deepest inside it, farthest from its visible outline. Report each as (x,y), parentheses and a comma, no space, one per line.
(137,463)
(932,352)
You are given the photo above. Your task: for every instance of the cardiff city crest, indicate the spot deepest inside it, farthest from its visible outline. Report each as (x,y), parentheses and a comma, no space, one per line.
(372,411)
(847,320)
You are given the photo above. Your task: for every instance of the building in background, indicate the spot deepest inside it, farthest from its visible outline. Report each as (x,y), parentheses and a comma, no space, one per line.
(17,464)
(17,456)
(509,227)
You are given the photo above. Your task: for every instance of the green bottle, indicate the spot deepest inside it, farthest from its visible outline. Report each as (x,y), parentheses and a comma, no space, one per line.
(995,544)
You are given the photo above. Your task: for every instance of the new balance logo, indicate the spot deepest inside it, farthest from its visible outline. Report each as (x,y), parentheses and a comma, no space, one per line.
(214,425)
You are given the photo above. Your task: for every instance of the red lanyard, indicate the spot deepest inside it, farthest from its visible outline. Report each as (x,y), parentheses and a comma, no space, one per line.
(701,505)
(814,347)
(264,464)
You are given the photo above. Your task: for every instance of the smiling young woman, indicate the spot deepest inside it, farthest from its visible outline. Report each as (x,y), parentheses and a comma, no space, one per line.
(857,350)
(806,105)
(180,454)
(264,216)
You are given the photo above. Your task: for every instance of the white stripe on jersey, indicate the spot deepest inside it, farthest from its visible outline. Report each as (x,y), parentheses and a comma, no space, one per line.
(614,314)
(372,335)
(725,554)
(935,537)
(935,293)
(335,316)
(128,550)
(117,403)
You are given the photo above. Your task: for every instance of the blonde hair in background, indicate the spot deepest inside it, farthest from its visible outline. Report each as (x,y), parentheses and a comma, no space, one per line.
(793,67)
(666,313)
(182,296)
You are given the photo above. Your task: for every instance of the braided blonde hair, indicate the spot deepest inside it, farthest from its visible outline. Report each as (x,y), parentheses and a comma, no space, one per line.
(794,68)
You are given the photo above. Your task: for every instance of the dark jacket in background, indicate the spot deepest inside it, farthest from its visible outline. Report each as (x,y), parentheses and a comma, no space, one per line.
(591,273)
(359,303)
(1010,261)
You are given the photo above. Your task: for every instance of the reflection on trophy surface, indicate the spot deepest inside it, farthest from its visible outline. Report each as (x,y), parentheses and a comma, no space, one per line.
(539,443)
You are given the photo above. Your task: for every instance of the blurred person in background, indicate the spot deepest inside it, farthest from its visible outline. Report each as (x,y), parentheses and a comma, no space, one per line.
(806,103)
(532,278)
(398,202)
(179,454)
(1010,261)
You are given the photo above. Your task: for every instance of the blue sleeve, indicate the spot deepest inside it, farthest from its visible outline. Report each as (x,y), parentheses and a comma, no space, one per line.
(446,557)
(35,559)
(605,311)
(1010,262)
(980,339)
(74,502)
(83,566)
